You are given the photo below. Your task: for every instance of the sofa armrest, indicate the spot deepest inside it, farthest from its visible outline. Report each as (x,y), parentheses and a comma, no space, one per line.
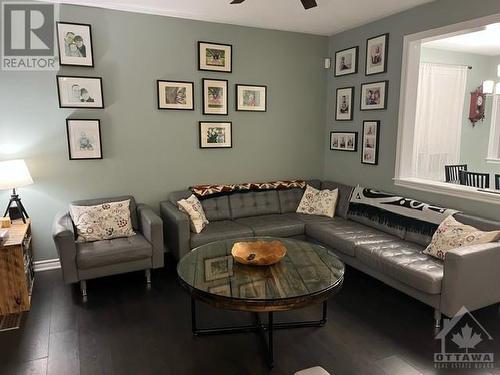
(151,227)
(176,229)
(471,278)
(64,240)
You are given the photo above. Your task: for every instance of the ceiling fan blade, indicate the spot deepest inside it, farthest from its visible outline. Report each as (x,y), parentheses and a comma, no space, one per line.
(308,4)
(237,1)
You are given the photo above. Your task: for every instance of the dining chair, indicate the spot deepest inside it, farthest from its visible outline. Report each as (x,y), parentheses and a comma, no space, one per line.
(452,172)
(497,181)
(479,180)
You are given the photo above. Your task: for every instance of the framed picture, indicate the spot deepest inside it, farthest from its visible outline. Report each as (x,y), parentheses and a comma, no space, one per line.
(215,57)
(218,268)
(374,95)
(371,131)
(377,50)
(84,139)
(175,95)
(345,104)
(344,141)
(216,134)
(75,44)
(80,92)
(215,96)
(346,62)
(251,98)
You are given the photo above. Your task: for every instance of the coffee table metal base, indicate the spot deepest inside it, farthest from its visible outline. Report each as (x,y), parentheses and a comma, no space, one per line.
(264,329)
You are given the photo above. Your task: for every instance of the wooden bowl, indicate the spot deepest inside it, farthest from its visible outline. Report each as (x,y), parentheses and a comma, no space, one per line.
(258,253)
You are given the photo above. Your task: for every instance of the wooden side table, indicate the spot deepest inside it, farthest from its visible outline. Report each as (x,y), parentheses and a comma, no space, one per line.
(16,269)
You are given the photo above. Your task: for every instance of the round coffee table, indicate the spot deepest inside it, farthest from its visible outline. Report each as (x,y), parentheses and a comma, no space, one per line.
(307,275)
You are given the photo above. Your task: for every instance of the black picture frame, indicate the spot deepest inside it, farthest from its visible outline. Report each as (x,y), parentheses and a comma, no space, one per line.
(351,114)
(386,54)
(385,97)
(160,81)
(58,23)
(229,70)
(377,142)
(237,98)
(356,61)
(61,105)
(355,134)
(68,124)
(204,99)
(200,144)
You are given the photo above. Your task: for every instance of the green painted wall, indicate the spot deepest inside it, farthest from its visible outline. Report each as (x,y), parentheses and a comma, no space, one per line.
(474,144)
(148,152)
(346,167)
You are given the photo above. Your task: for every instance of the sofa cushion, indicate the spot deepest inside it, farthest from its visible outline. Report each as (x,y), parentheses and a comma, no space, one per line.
(404,262)
(96,201)
(309,218)
(318,202)
(274,225)
(193,208)
(344,235)
(452,234)
(344,197)
(377,222)
(107,252)
(254,203)
(477,222)
(290,198)
(220,230)
(216,208)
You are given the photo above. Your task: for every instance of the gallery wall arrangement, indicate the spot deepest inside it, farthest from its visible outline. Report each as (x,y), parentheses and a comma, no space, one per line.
(373,96)
(84,135)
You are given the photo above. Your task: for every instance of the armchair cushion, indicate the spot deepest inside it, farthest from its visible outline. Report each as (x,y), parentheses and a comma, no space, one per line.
(102,222)
(96,201)
(107,252)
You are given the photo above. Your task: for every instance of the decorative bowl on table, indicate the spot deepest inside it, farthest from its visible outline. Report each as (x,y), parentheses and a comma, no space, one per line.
(258,253)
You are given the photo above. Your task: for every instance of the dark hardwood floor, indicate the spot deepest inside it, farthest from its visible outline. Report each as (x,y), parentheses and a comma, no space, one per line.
(126,329)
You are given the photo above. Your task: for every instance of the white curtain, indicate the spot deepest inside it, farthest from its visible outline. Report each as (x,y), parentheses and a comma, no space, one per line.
(439,117)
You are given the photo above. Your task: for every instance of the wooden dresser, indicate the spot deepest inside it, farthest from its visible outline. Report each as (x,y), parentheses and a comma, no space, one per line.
(16,269)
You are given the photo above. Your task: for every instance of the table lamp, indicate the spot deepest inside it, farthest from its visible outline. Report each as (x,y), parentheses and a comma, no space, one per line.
(15,174)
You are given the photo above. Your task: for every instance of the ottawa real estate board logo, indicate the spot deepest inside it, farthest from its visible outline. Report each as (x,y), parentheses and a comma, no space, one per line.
(465,344)
(28,35)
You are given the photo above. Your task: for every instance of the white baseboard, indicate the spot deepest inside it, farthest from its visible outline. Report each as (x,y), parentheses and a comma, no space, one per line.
(46,265)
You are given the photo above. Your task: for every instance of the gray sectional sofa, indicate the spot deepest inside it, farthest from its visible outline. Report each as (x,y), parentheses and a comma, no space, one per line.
(468,277)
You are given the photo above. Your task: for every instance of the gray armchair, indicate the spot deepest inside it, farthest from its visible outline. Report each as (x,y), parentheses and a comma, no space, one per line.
(82,261)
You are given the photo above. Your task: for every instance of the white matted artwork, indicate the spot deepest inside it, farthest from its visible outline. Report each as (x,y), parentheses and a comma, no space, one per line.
(84,139)
(346,62)
(251,98)
(215,57)
(80,92)
(344,141)
(215,134)
(175,95)
(344,104)
(215,98)
(371,137)
(377,49)
(374,95)
(75,44)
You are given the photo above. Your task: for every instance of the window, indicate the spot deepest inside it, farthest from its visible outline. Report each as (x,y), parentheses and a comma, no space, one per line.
(494,145)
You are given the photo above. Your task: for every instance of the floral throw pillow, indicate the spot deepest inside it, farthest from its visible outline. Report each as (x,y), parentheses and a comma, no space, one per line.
(103,221)
(452,234)
(318,202)
(193,208)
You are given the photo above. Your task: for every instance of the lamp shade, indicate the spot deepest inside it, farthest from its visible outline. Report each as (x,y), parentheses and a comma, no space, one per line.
(14,174)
